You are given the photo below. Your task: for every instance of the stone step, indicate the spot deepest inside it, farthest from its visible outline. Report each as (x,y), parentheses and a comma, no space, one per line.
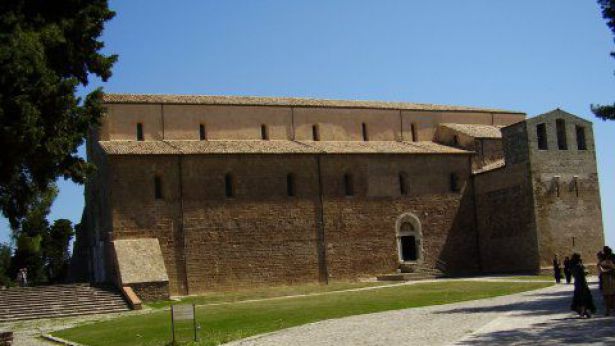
(59,301)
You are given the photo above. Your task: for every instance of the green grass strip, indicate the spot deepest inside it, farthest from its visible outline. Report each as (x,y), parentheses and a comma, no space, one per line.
(223,323)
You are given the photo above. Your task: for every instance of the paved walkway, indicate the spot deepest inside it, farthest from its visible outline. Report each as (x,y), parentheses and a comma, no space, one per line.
(533,318)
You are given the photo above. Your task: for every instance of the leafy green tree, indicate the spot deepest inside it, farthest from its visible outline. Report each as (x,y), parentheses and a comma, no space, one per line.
(55,249)
(30,235)
(5,264)
(607,112)
(47,50)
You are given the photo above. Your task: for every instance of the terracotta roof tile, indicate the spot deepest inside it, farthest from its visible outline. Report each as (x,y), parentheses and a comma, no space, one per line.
(287,101)
(273,147)
(476,130)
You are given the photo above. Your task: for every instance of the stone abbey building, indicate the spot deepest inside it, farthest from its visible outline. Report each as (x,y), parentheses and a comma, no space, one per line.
(201,193)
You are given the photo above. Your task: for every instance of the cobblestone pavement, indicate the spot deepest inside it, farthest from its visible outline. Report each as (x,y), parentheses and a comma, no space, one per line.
(532,318)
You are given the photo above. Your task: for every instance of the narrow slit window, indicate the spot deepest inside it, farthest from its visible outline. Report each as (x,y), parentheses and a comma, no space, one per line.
(541,134)
(202,133)
(264,132)
(348,184)
(576,185)
(229,185)
(581,144)
(157,187)
(139,131)
(456,140)
(315,133)
(413,132)
(290,185)
(403,183)
(364,131)
(560,125)
(454,182)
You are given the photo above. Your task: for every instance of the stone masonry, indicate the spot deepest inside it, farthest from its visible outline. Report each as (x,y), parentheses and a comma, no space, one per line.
(244,191)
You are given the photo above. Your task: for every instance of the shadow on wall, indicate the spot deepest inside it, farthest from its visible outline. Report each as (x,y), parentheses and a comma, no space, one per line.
(460,251)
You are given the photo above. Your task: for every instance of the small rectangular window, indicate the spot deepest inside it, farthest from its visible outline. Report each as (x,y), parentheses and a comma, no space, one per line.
(202,133)
(264,132)
(364,131)
(139,131)
(290,185)
(560,125)
(541,134)
(454,182)
(157,187)
(403,184)
(348,184)
(581,144)
(315,133)
(229,186)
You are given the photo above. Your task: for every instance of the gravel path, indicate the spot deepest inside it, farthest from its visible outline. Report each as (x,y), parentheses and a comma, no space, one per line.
(537,317)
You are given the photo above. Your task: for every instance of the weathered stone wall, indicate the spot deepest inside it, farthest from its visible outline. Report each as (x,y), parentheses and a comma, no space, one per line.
(360,230)
(566,191)
(137,214)
(262,236)
(151,291)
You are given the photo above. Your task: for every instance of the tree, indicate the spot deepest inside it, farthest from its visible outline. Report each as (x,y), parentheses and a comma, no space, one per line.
(47,49)
(30,235)
(5,265)
(55,249)
(606,112)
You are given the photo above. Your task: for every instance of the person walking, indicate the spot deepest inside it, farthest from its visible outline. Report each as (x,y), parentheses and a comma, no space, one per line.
(557,271)
(567,272)
(24,277)
(582,300)
(606,268)
(19,278)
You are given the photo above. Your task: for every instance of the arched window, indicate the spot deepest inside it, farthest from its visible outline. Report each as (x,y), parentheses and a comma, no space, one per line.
(364,131)
(157,187)
(202,133)
(290,185)
(229,185)
(315,133)
(264,132)
(403,183)
(348,184)
(541,135)
(139,131)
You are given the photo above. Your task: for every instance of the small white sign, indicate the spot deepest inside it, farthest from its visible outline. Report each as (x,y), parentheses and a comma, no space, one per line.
(183,312)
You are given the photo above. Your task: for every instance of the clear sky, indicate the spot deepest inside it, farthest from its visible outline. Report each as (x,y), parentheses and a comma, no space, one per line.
(525,55)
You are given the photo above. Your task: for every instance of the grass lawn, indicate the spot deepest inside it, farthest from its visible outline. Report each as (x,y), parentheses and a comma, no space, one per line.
(267,292)
(533,277)
(223,323)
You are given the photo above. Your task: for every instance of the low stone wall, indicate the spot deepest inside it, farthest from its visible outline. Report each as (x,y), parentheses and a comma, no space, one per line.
(151,291)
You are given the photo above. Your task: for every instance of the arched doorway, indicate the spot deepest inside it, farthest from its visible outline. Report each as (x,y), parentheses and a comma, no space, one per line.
(409,239)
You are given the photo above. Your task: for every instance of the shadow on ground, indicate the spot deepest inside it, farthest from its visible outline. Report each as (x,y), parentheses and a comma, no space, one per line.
(571,330)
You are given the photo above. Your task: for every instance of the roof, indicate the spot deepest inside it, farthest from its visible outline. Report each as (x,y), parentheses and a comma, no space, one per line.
(193,147)
(287,101)
(476,130)
(491,166)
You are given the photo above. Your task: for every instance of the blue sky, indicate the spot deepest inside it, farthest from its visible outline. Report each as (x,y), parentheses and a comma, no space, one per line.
(525,55)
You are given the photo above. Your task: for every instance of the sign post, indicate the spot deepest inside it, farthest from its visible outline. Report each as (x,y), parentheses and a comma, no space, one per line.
(183,312)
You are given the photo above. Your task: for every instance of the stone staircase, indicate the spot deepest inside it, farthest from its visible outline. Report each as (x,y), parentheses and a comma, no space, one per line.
(412,272)
(52,301)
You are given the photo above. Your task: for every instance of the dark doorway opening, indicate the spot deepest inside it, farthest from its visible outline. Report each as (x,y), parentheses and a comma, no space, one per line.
(408,248)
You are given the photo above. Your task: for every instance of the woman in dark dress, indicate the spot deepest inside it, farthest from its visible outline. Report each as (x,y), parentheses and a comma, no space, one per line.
(567,272)
(582,301)
(557,271)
